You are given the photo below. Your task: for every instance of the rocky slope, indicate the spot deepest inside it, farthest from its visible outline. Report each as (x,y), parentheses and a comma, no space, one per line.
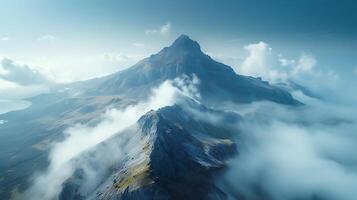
(171,155)
(218,82)
(176,160)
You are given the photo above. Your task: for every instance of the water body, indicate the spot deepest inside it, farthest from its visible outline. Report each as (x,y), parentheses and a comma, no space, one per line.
(7,105)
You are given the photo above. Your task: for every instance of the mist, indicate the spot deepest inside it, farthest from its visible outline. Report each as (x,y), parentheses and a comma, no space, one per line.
(296,153)
(284,152)
(72,153)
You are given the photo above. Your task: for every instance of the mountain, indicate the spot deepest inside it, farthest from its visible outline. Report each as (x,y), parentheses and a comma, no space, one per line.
(218,82)
(177,159)
(293,86)
(175,155)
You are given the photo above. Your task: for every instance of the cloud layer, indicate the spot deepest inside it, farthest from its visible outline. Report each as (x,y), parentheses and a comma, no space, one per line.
(296,153)
(81,138)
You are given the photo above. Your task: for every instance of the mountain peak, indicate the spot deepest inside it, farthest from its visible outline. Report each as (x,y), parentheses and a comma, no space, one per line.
(184,42)
(183,38)
(218,82)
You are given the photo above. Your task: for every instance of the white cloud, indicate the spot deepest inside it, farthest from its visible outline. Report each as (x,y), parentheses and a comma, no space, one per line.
(306,63)
(116,57)
(289,162)
(263,62)
(163,30)
(188,84)
(81,138)
(285,62)
(47,38)
(19,81)
(5,39)
(21,74)
(302,153)
(75,67)
(138,45)
(297,153)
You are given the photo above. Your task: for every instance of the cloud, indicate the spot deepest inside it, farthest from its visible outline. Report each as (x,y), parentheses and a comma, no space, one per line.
(163,30)
(21,74)
(260,62)
(286,161)
(296,153)
(47,38)
(17,82)
(117,57)
(188,84)
(263,62)
(306,63)
(285,62)
(76,67)
(81,138)
(5,39)
(138,45)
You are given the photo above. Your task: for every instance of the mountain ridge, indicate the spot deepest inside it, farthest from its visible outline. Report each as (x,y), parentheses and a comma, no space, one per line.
(218,82)
(179,157)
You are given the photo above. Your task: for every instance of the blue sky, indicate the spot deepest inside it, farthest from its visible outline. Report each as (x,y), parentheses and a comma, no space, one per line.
(60,36)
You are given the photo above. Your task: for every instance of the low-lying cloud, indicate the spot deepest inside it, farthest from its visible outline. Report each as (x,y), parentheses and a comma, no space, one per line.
(289,153)
(80,138)
(296,153)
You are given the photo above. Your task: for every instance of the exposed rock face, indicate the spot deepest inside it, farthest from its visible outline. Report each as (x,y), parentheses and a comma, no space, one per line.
(168,161)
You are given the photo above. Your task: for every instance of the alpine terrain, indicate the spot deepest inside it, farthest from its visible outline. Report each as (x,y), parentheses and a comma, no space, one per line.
(175,150)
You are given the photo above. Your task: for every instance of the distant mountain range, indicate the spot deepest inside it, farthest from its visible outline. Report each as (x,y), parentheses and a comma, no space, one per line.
(176,156)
